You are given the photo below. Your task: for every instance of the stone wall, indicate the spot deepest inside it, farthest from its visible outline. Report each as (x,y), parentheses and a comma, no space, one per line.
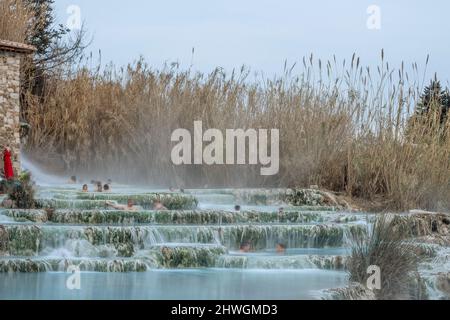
(10,105)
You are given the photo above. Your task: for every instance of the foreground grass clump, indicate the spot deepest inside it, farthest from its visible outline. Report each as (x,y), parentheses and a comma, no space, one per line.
(384,246)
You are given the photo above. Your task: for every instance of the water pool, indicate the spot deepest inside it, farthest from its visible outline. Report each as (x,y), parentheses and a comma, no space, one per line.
(204,284)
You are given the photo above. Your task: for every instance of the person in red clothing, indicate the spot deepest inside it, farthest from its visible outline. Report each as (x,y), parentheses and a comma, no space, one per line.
(7,164)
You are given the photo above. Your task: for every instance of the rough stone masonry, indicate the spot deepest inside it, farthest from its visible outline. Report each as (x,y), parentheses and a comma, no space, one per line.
(11,54)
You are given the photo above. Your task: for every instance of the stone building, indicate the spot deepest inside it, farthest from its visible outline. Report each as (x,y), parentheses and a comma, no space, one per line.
(10,59)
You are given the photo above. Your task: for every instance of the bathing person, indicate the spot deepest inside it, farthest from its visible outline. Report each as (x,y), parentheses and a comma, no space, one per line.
(99,187)
(85,188)
(281,248)
(245,247)
(128,207)
(158,206)
(237,208)
(7,164)
(106,188)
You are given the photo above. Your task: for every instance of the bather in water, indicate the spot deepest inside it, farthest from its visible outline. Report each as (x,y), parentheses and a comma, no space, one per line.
(158,206)
(281,248)
(99,187)
(245,247)
(128,207)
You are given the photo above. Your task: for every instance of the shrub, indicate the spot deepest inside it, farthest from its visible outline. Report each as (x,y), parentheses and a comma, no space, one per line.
(21,191)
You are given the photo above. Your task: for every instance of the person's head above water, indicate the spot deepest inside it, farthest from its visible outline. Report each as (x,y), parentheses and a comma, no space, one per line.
(237,208)
(245,246)
(157,203)
(106,187)
(85,188)
(130,203)
(281,248)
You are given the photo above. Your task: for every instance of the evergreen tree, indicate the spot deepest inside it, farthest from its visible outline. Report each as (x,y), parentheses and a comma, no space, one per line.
(434,99)
(44,33)
(56,46)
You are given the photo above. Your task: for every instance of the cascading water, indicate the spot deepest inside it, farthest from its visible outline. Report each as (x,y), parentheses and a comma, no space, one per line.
(200,242)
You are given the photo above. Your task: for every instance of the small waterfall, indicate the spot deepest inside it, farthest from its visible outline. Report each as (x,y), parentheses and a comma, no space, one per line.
(25,265)
(260,196)
(258,261)
(188,256)
(172,201)
(61,265)
(293,236)
(71,204)
(216,199)
(18,215)
(436,274)
(23,240)
(176,217)
(4,218)
(80,249)
(32,239)
(147,236)
(110,265)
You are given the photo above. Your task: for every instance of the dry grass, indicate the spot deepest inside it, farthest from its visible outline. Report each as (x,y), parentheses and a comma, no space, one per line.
(14,20)
(342,128)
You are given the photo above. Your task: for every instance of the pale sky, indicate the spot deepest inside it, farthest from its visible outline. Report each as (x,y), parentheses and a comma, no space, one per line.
(262,34)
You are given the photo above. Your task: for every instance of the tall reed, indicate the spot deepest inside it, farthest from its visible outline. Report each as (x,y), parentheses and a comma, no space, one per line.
(15,20)
(342,126)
